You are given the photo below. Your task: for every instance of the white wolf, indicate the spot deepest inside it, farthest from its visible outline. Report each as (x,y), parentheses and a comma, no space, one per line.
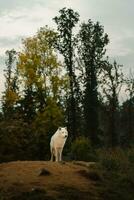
(57,143)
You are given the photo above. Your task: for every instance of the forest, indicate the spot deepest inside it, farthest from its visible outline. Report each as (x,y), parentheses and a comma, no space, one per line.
(63,77)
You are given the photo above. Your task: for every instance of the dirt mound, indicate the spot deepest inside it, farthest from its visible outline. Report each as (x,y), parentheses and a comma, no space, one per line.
(45,180)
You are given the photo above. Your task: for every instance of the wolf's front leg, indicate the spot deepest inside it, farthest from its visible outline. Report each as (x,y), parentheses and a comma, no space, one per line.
(56,155)
(60,154)
(52,154)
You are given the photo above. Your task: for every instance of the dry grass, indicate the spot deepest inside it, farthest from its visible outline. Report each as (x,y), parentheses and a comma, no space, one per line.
(25,176)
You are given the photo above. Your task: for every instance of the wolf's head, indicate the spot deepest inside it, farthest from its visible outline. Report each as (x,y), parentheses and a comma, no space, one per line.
(63,132)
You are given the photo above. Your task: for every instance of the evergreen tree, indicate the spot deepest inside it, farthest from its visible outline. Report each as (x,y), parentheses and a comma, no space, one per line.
(128,111)
(92,41)
(66,45)
(112,79)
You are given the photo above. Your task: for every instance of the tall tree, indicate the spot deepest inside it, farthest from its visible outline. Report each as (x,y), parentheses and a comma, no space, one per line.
(66,45)
(11,94)
(112,80)
(128,110)
(92,41)
(41,72)
(43,82)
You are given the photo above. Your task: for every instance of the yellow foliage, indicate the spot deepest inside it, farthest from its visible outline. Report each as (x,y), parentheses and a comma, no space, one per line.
(11,97)
(38,64)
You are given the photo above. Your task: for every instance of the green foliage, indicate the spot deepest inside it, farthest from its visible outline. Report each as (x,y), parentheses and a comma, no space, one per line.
(130,154)
(113,159)
(112,81)
(20,140)
(45,124)
(17,141)
(92,42)
(117,173)
(81,149)
(65,24)
(66,45)
(127,116)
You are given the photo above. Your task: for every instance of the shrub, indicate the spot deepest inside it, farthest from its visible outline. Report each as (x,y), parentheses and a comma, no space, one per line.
(118,172)
(81,149)
(113,159)
(130,154)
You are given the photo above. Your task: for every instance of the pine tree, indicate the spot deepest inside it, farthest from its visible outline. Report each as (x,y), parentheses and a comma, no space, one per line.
(112,79)
(128,110)
(66,46)
(92,41)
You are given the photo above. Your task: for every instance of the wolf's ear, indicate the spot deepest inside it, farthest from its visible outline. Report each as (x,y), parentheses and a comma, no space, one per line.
(65,127)
(59,128)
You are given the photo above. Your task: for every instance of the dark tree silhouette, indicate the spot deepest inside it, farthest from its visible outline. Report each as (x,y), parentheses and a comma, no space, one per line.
(128,111)
(91,50)
(65,24)
(112,80)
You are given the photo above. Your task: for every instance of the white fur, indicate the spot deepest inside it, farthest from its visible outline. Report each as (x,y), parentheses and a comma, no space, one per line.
(57,143)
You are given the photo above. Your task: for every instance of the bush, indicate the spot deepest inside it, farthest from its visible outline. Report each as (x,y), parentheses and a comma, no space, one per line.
(113,159)
(118,171)
(17,141)
(81,149)
(130,154)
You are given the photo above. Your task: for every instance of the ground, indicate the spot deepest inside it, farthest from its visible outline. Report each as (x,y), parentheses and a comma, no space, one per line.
(46,180)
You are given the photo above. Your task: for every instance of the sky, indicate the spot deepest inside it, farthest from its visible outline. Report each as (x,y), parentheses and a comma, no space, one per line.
(22,18)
